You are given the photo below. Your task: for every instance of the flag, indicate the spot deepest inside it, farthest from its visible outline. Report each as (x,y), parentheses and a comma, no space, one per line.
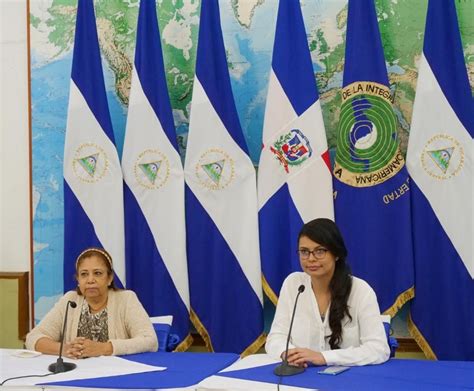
(372,202)
(93,183)
(440,163)
(221,206)
(294,177)
(155,231)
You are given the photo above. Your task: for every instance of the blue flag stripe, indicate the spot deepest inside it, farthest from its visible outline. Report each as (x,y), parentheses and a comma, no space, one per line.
(75,242)
(87,66)
(150,68)
(146,272)
(211,68)
(286,224)
(221,295)
(449,70)
(444,283)
(364,59)
(291,58)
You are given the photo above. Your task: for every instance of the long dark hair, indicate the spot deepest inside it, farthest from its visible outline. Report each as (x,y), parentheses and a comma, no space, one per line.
(326,233)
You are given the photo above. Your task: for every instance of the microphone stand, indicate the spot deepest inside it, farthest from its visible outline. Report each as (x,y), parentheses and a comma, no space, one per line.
(60,366)
(285,369)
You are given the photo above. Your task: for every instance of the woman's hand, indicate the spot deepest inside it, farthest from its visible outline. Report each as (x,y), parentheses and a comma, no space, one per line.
(71,351)
(301,357)
(82,347)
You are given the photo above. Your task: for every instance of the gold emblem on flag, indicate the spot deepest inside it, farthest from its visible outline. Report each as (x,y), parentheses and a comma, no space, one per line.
(442,157)
(152,169)
(90,163)
(215,169)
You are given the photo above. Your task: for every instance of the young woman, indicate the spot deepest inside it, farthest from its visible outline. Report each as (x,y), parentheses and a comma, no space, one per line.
(337,321)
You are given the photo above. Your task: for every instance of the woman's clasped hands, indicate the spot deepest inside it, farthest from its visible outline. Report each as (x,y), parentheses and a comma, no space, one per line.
(82,347)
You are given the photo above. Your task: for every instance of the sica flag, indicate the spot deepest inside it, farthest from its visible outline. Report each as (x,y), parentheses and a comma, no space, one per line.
(93,183)
(221,206)
(440,163)
(372,204)
(155,230)
(294,177)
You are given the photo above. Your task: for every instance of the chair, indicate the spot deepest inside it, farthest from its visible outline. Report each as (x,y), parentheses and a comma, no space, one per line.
(162,326)
(392,341)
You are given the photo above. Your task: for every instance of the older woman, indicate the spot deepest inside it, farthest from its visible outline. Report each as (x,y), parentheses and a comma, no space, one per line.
(106,321)
(337,321)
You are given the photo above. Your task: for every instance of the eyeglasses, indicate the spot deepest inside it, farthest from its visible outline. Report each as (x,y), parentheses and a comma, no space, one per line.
(318,253)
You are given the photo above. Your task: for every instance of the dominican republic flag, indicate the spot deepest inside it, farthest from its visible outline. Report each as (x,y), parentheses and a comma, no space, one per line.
(294,177)
(372,201)
(155,230)
(440,162)
(93,183)
(221,206)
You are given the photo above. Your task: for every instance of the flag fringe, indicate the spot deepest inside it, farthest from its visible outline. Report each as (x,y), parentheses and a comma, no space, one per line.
(402,299)
(420,340)
(185,344)
(201,330)
(255,345)
(251,349)
(269,291)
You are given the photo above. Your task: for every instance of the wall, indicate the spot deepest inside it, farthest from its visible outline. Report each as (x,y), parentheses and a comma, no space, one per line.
(14,165)
(14,156)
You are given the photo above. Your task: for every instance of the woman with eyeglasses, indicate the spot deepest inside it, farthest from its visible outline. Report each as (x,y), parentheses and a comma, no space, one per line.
(337,321)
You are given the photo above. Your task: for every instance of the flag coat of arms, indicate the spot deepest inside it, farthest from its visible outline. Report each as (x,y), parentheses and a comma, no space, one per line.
(440,163)
(294,177)
(155,233)
(372,204)
(221,206)
(93,184)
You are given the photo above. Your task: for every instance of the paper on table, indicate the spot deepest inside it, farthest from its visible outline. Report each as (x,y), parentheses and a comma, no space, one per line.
(11,366)
(219,383)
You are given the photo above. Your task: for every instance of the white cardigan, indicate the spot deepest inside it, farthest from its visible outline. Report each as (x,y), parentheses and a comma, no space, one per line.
(130,328)
(363,339)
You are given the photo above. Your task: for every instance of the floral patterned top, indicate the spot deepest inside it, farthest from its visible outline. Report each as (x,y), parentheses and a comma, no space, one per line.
(93,326)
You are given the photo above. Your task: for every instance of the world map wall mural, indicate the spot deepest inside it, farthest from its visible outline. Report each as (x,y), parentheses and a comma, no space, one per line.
(248,28)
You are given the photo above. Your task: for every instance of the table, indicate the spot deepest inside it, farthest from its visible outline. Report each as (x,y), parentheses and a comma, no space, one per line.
(256,372)
(223,371)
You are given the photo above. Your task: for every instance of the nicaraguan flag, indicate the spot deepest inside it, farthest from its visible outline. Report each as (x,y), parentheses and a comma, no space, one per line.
(440,162)
(221,206)
(294,177)
(372,202)
(155,233)
(93,184)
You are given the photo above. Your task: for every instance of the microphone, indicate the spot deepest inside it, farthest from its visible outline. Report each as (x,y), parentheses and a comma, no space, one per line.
(60,366)
(285,369)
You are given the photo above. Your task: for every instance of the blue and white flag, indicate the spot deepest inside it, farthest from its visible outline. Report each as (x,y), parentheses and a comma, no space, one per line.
(221,206)
(294,177)
(440,162)
(155,230)
(93,184)
(372,202)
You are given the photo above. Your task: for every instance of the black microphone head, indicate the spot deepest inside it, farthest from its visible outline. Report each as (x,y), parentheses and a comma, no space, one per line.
(73,304)
(301,288)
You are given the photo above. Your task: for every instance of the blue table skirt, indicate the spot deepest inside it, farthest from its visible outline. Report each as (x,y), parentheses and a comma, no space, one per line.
(396,374)
(183,370)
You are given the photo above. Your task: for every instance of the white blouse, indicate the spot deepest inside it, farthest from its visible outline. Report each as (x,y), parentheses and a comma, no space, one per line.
(363,339)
